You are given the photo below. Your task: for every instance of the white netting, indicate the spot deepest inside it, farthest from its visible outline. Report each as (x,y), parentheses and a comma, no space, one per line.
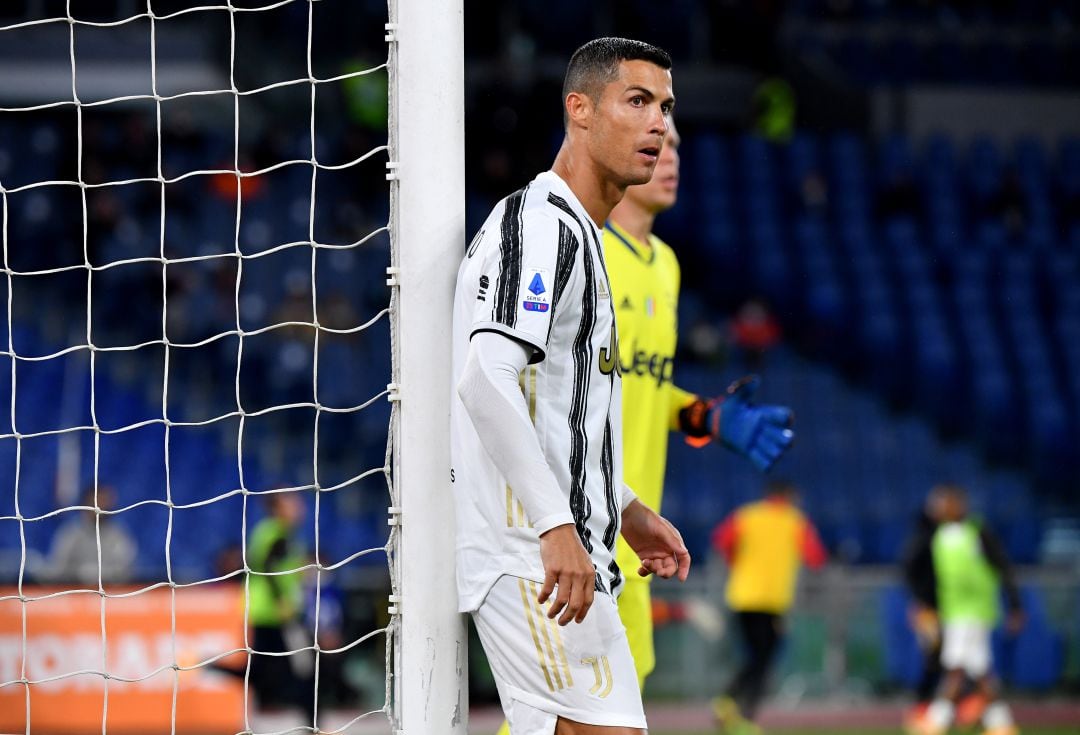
(195,238)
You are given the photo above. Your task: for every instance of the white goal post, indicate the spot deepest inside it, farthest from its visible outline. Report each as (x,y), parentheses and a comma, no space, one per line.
(127,440)
(427,154)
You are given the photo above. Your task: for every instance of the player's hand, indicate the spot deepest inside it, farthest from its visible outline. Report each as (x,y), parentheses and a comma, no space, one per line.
(568,572)
(760,433)
(924,621)
(657,543)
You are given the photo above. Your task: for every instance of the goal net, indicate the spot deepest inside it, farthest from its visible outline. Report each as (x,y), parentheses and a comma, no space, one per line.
(222,466)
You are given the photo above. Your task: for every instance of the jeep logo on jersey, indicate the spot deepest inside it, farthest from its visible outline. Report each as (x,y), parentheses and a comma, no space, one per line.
(644,363)
(609,355)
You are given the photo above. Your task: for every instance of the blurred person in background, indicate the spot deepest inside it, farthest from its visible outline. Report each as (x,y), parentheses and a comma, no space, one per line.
(919,577)
(275,599)
(764,543)
(73,557)
(971,570)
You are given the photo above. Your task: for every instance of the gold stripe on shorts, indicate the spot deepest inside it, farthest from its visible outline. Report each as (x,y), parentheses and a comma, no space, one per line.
(530,617)
(562,654)
(546,624)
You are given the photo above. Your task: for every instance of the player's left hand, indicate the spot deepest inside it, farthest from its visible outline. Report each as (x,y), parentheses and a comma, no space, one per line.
(657,543)
(762,433)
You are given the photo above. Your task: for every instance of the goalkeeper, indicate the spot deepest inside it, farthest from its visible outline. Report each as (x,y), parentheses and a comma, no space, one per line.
(644,275)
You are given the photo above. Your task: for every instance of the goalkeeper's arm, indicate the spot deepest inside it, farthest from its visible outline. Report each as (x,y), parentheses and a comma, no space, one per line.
(761,433)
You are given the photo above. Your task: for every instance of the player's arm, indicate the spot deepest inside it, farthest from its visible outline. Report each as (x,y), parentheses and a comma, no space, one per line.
(762,433)
(489,391)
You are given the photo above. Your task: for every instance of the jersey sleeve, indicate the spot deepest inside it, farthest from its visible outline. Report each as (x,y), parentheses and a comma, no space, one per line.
(516,292)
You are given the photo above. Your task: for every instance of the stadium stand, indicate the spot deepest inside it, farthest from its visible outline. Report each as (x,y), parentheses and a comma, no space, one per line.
(938,283)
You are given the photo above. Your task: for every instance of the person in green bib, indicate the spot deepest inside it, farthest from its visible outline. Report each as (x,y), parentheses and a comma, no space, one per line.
(972,570)
(275,600)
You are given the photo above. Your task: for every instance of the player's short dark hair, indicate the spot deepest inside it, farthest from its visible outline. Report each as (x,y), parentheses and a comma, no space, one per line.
(596,64)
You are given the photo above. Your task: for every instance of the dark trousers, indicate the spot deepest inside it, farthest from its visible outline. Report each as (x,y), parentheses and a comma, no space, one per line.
(761,633)
(273,678)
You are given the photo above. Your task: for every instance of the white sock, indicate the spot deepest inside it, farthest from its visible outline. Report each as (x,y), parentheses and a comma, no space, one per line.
(997,715)
(940,713)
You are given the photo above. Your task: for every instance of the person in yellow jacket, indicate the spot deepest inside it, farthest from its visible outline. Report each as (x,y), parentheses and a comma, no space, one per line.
(764,543)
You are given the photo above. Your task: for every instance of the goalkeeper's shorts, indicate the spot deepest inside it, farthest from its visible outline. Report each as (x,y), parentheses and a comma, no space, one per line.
(581,672)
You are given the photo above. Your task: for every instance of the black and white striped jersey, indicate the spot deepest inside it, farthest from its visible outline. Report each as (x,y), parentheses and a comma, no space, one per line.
(535,272)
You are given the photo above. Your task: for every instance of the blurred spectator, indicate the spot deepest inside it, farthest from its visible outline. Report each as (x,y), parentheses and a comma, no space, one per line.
(276,604)
(774,107)
(754,331)
(764,543)
(970,568)
(74,554)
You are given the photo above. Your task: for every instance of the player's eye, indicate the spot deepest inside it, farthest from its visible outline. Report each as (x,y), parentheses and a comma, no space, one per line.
(637,100)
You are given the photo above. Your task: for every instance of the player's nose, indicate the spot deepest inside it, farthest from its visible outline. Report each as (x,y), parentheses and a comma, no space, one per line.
(658,122)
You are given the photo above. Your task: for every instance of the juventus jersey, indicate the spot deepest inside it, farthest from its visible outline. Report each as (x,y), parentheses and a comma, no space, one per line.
(535,272)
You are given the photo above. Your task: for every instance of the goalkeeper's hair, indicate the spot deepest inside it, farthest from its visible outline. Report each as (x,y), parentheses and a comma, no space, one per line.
(596,64)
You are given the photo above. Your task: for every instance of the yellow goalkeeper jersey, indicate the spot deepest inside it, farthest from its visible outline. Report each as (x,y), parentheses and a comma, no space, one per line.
(645,292)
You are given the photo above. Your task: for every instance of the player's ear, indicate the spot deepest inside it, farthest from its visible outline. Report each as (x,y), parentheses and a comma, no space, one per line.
(579,109)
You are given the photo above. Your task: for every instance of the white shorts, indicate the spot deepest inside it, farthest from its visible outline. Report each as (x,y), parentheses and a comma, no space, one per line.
(965,646)
(543,671)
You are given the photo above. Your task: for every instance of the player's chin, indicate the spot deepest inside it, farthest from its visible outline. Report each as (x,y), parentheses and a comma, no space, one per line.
(641,175)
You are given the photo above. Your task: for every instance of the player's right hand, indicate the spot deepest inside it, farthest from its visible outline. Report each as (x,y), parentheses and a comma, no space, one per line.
(568,573)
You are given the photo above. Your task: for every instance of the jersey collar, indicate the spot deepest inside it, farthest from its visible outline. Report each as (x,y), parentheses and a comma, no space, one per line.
(643,252)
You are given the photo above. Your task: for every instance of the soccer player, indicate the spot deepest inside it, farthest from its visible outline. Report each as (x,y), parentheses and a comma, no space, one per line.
(536,442)
(764,543)
(644,274)
(970,567)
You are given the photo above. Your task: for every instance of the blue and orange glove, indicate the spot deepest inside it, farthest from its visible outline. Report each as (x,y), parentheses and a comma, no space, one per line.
(759,433)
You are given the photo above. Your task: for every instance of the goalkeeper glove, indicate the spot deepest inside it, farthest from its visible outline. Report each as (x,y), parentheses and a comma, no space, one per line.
(760,433)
